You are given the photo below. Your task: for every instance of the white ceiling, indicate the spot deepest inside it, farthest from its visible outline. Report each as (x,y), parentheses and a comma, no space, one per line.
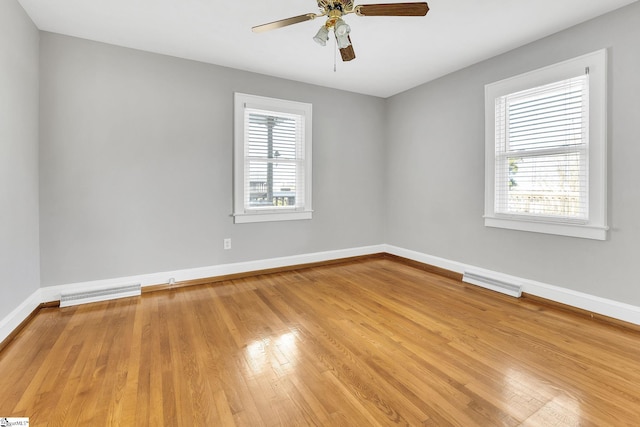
(393,54)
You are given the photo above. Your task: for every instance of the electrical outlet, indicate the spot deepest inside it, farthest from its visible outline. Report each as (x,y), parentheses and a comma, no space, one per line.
(227,243)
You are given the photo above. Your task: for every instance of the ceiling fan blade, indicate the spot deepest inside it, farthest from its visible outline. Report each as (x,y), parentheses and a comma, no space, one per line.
(347,53)
(393,9)
(284,22)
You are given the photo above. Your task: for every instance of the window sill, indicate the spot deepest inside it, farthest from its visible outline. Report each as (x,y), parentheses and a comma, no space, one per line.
(271,216)
(560,229)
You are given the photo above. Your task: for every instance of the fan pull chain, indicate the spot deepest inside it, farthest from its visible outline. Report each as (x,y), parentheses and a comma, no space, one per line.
(335,53)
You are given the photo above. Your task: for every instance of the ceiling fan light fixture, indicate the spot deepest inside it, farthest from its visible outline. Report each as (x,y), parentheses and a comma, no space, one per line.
(322,36)
(341,28)
(343,41)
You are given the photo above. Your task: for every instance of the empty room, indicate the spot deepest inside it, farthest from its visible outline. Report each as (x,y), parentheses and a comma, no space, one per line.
(323,213)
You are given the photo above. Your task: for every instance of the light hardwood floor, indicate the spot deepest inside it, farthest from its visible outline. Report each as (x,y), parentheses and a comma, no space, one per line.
(369,343)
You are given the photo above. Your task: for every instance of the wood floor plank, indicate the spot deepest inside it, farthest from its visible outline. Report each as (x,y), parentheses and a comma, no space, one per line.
(369,342)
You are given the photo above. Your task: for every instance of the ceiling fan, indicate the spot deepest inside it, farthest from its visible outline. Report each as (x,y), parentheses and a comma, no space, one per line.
(334,10)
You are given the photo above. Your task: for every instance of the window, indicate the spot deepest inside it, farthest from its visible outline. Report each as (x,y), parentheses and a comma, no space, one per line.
(545,150)
(272,159)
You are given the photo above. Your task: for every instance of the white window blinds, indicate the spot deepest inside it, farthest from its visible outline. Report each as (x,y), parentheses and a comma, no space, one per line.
(274,160)
(541,151)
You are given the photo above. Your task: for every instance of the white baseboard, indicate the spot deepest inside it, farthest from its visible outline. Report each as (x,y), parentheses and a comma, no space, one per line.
(10,322)
(626,312)
(52,293)
(607,307)
(456,267)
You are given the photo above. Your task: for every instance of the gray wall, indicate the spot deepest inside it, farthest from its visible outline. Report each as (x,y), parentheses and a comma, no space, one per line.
(136,157)
(436,168)
(19,251)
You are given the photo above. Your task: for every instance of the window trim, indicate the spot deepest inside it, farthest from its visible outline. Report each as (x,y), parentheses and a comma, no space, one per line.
(240,213)
(596,225)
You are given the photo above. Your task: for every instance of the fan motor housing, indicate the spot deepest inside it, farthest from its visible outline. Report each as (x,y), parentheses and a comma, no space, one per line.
(341,5)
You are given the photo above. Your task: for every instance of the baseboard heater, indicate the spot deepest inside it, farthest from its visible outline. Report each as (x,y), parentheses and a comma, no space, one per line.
(86,296)
(492,283)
